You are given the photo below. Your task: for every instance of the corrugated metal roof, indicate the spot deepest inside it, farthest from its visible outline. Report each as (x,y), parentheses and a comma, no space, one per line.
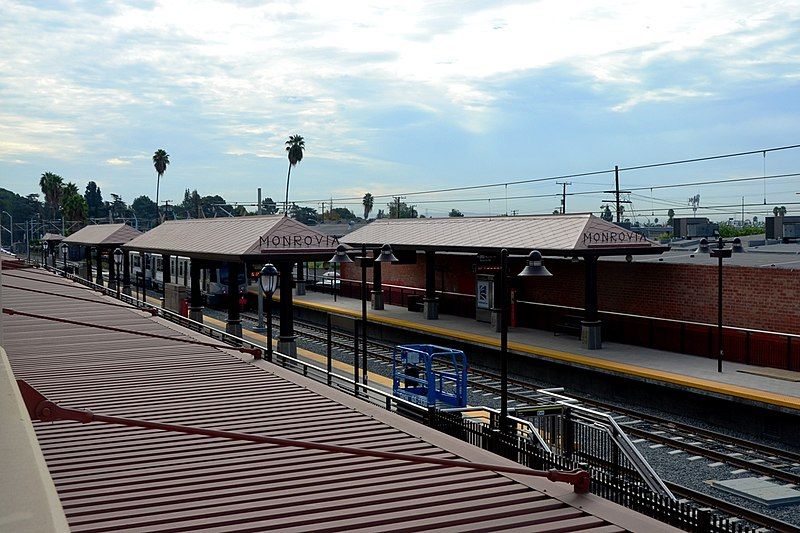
(52,237)
(103,235)
(234,238)
(553,234)
(121,478)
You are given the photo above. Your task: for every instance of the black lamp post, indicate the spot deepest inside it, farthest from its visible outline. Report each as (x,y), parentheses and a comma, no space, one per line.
(267,281)
(720,252)
(65,252)
(339,257)
(533,268)
(118,261)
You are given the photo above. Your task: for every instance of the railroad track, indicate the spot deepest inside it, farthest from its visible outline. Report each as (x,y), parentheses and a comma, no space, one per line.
(760,459)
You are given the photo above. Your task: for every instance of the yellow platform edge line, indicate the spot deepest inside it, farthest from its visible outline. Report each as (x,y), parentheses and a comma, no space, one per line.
(633,370)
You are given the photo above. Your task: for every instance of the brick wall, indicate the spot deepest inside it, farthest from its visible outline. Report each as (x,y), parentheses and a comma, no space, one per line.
(757,298)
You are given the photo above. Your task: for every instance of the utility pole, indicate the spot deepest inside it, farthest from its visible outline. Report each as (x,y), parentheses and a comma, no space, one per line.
(397,205)
(258,209)
(616,192)
(564,195)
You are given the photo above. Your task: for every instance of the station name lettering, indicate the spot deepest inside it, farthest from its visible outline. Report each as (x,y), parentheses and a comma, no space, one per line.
(297,241)
(612,237)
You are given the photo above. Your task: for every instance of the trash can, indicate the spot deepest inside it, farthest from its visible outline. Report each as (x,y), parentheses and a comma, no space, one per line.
(414,302)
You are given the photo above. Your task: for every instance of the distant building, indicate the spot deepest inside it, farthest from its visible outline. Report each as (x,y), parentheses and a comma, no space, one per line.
(783,227)
(689,228)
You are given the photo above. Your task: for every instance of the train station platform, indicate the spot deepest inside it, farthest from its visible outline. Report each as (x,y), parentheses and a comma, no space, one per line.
(130,469)
(776,389)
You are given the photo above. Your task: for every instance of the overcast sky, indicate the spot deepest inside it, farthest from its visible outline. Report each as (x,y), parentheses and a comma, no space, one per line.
(397,97)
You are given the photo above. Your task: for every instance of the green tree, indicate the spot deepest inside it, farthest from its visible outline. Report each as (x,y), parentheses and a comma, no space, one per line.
(341,213)
(368,202)
(779,211)
(606,213)
(52,185)
(160,162)
(240,211)
(306,215)
(94,199)
(74,207)
(145,208)
(406,211)
(455,213)
(294,148)
(268,206)
(670,216)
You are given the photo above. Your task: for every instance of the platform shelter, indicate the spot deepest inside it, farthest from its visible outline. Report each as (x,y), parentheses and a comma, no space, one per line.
(580,236)
(103,239)
(238,241)
(52,240)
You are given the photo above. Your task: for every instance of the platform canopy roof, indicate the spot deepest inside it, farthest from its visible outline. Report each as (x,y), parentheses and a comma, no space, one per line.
(104,235)
(569,235)
(52,237)
(253,238)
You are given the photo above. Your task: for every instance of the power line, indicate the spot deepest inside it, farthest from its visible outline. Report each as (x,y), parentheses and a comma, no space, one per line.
(577,175)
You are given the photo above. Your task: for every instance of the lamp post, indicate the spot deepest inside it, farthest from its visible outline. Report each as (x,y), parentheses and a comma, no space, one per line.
(533,268)
(267,281)
(118,261)
(65,252)
(386,256)
(720,252)
(339,257)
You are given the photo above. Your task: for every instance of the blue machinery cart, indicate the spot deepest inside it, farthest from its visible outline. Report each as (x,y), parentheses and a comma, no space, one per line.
(426,374)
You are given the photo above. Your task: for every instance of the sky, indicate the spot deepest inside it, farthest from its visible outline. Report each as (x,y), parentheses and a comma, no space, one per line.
(398,98)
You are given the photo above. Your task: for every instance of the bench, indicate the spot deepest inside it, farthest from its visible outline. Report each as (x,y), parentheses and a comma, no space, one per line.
(569,325)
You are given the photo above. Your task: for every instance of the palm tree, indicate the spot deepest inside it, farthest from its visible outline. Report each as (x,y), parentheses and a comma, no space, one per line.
(52,185)
(779,211)
(160,161)
(294,146)
(368,203)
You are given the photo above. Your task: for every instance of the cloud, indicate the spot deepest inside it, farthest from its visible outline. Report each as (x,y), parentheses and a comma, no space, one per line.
(116,161)
(660,95)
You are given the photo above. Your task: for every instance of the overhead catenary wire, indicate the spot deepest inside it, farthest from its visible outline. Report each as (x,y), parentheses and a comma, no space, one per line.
(574,175)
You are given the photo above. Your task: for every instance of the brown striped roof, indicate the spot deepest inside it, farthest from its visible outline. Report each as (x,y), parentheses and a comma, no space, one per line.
(112,478)
(550,234)
(235,238)
(103,235)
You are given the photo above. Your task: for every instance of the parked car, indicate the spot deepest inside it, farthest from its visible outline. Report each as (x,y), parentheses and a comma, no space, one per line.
(330,279)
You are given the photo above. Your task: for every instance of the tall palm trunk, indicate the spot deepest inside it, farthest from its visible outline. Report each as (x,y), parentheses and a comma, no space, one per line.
(286,201)
(158,185)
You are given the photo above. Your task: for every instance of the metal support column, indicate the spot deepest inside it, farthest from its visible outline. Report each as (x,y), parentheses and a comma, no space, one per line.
(166,275)
(195,296)
(88,251)
(591,335)
(126,272)
(430,303)
(287,343)
(234,323)
(99,263)
(300,285)
(112,271)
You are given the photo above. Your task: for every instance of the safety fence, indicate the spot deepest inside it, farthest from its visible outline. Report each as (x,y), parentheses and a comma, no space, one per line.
(617,485)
